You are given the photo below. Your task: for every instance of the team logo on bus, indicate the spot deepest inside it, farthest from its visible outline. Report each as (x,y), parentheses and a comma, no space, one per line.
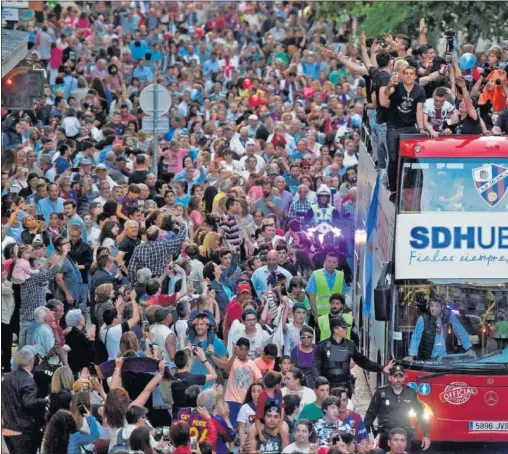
(491,182)
(458,393)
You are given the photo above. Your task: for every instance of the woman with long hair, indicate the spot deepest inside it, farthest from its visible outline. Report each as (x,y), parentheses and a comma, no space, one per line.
(139,440)
(129,343)
(208,196)
(80,406)
(209,250)
(118,400)
(62,380)
(55,227)
(305,437)
(248,411)
(104,295)
(63,437)
(194,211)
(109,235)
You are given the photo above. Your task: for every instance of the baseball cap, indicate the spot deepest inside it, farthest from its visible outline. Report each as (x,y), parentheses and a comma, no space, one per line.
(339,321)
(85,162)
(156,313)
(101,167)
(396,370)
(250,142)
(253,117)
(243,288)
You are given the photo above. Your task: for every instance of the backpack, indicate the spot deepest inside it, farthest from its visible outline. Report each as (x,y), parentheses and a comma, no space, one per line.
(120,443)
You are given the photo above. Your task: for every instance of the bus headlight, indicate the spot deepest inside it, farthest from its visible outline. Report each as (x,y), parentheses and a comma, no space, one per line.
(427,412)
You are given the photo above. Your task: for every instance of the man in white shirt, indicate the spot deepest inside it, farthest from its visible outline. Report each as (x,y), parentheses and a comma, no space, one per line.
(240,142)
(251,151)
(113,328)
(71,124)
(159,319)
(436,111)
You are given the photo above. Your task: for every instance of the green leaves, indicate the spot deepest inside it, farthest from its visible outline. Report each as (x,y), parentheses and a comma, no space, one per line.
(473,20)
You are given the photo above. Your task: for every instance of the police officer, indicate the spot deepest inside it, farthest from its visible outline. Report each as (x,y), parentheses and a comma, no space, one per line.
(392,405)
(338,308)
(323,211)
(333,357)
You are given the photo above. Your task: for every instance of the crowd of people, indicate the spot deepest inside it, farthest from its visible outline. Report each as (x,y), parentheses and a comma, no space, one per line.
(189,304)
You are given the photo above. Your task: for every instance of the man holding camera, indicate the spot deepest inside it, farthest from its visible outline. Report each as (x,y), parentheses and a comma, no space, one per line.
(184,378)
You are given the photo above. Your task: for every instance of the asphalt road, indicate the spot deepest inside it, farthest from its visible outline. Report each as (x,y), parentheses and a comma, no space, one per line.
(469,448)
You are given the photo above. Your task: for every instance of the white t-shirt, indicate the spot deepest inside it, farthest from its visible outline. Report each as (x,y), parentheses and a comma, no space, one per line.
(258,341)
(161,334)
(181,327)
(437,119)
(307,396)
(291,338)
(292,448)
(113,339)
(247,416)
(350,160)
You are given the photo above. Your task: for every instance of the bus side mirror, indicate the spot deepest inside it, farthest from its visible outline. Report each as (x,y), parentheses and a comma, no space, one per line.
(382,300)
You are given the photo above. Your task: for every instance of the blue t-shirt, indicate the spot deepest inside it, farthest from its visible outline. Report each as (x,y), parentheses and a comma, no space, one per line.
(199,368)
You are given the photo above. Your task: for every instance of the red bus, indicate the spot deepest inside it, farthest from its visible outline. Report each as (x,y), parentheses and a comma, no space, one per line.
(445,238)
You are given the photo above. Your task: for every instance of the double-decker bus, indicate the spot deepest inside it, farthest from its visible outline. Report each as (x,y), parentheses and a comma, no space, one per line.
(445,237)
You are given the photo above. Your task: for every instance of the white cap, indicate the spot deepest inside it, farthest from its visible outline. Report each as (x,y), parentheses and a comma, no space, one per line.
(253,117)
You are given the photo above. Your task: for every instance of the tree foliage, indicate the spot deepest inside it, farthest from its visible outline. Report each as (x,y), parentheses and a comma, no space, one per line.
(474,20)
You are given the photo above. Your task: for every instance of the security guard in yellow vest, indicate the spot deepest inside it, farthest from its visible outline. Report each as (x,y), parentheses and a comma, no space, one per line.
(323,211)
(338,309)
(323,283)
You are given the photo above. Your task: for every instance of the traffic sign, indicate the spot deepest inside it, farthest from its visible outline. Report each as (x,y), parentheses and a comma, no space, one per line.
(162,124)
(148,103)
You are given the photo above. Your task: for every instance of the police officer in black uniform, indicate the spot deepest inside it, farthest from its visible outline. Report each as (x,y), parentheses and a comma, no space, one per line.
(333,357)
(392,405)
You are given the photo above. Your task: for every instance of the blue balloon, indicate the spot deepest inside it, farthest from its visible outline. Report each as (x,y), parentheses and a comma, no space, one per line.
(356,120)
(467,61)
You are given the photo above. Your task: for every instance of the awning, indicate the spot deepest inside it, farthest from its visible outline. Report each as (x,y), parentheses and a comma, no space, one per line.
(14,49)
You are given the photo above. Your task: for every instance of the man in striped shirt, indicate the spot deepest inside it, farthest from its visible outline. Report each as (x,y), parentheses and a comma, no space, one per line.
(229,225)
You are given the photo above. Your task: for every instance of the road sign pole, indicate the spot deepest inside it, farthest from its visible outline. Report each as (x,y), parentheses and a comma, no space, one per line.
(155,158)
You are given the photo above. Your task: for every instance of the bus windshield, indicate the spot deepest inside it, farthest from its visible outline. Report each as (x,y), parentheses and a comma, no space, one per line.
(456,317)
(454,184)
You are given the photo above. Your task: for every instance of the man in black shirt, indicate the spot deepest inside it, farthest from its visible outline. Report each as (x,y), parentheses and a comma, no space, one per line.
(404,101)
(129,243)
(138,176)
(380,78)
(183,361)
(82,254)
(391,405)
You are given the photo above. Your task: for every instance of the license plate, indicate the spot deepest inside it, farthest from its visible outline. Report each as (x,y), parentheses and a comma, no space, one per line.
(494,426)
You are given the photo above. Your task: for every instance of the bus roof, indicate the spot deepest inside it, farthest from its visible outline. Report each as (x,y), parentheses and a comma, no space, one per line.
(415,146)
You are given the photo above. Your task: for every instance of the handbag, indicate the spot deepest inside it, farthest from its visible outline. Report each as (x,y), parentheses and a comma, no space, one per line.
(44,367)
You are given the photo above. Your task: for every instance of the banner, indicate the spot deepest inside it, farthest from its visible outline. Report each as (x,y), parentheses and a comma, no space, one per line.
(451,246)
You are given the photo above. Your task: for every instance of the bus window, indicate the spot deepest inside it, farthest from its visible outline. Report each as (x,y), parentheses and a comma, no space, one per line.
(454,319)
(453,185)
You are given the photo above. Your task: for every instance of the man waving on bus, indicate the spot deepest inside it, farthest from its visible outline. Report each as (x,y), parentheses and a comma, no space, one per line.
(430,336)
